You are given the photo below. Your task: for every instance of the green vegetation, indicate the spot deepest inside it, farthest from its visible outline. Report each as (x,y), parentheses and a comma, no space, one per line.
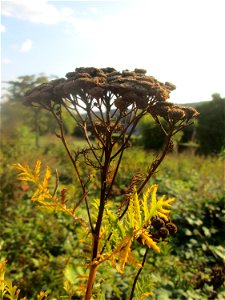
(47,250)
(211,127)
(43,250)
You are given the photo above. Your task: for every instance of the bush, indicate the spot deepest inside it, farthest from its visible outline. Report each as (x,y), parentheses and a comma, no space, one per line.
(152,135)
(211,126)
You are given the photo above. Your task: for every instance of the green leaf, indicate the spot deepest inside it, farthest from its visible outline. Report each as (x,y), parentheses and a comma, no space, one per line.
(69,274)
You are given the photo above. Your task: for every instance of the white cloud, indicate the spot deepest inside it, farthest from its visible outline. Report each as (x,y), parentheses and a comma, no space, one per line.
(2,28)
(6,61)
(26,46)
(35,11)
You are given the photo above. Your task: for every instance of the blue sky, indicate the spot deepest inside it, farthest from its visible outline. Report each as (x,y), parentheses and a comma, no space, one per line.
(177,41)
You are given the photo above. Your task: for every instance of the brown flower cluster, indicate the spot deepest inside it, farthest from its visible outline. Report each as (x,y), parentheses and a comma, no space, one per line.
(103,128)
(126,88)
(172,112)
(161,229)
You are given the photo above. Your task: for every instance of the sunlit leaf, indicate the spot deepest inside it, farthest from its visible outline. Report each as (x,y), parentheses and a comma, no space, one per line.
(146,239)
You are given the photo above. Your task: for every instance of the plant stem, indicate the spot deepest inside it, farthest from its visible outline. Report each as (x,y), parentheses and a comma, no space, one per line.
(97,229)
(138,274)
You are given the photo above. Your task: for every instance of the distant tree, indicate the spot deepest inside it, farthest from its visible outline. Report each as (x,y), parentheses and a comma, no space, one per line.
(15,114)
(17,88)
(211,125)
(152,135)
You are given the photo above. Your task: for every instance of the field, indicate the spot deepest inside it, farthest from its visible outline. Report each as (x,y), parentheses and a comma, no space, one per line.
(45,249)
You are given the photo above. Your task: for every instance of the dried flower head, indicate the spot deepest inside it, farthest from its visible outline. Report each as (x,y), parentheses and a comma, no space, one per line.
(157,223)
(171,227)
(190,112)
(171,112)
(160,109)
(175,114)
(163,232)
(134,87)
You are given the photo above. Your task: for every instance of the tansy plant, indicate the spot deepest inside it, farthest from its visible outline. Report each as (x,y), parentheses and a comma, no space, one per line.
(107,105)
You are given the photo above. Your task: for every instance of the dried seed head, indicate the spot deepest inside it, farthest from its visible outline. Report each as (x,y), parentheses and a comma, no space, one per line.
(121,104)
(108,70)
(141,103)
(140,71)
(160,109)
(171,227)
(190,112)
(170,86)
(102,128)
(157,223)
(163,232)
(96,92)
(155,237)
(135,86)
(176,114)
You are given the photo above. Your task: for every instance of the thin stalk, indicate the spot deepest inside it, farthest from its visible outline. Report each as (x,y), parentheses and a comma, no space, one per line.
(62,136)
(97,229)
(138,274)
(124,145)
(100,109)
(115,173)
(91,148)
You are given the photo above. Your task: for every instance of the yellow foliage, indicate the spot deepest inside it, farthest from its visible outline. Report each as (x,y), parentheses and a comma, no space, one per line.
(134,225)
(146,239)
(7,290)
(145,295)
(47,200)
(157,207)
(42,295)
(124,252)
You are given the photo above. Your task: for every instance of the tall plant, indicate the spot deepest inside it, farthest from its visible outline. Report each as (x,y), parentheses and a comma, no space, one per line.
(108,105)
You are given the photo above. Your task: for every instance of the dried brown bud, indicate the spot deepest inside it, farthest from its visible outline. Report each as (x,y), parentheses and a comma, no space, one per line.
(163,232)
(190,112)
(170,86)
(127,73)
(176,114)
(141,103)
(59,90)
(157,223)
(69,87)
(160,109)
(70,74)
(140,71)
(96,92)
(121,104)
(108,70)
(171,227)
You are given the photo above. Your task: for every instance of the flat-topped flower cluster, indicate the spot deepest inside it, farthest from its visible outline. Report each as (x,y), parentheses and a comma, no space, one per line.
(107,86)
(132,86)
